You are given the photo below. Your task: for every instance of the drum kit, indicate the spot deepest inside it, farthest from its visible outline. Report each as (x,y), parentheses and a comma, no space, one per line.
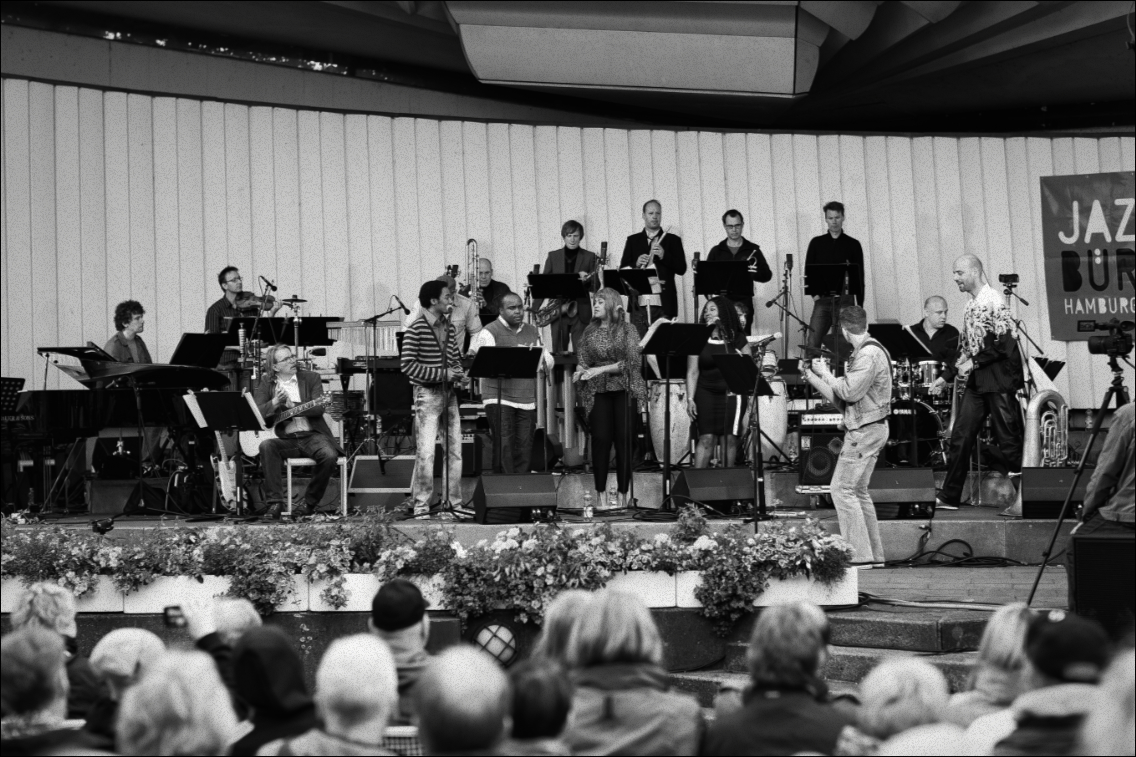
(918,416)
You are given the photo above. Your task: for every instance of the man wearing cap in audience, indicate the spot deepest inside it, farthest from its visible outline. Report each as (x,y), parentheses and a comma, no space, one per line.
(398,617)
(1065,657)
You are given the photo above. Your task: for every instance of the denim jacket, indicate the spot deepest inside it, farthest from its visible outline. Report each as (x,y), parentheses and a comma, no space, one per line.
(863,393)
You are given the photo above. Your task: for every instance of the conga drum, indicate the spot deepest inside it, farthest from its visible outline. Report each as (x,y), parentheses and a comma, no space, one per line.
(680,418)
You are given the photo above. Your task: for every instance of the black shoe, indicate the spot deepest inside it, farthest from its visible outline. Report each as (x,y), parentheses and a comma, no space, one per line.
(274,511)
(307,510)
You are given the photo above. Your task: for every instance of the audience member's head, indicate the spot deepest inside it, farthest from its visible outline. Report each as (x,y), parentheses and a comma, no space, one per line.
(1003,642)
(357,688)
(1065,648)
(47,605)
(616,628)
(542,697)
(1108,728)
(398,613)
(124,655)
(178,707)
(463,702)
(788,646)
(268,674)
(934,740)
(33,676)
(562,611)
(234,616)
(901,694)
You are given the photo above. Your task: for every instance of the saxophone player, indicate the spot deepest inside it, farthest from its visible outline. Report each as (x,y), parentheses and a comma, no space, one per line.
(488,291)
(570,258)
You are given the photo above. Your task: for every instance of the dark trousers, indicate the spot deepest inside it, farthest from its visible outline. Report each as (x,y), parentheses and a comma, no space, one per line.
(610,425)
(1094,525)
(973,409)
(318,447)
(514,427)
(824,319)
(562,329)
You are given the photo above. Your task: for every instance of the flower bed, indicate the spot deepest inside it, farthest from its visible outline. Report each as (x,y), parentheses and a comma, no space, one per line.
(338,567)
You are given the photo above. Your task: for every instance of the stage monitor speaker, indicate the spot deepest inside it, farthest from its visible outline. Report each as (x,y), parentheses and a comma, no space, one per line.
(715,487)
(373,489)
(511,498)
(1104,567)
(1044,491)
(819,452)
(473,454)
(900,493)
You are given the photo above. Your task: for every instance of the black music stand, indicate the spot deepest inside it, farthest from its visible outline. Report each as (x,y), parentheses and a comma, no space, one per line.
(502,363)
(566,286)
(228,412)
(744,379)
(668,341)
(901,343)
(201,350)
(721,277)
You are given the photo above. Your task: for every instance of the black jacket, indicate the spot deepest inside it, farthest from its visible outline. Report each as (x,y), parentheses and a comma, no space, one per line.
(721,252)
(586,261)
(782,722)
(826,250)
(311,387)
(943,347)
(269,679)
(998,366)
(673,263)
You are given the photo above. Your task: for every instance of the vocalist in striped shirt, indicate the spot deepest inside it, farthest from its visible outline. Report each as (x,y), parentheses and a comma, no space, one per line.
(432,361)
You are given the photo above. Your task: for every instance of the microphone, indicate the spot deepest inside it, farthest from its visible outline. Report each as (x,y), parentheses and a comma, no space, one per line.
(268,284)
(771,338)
(405,309)
(789,260)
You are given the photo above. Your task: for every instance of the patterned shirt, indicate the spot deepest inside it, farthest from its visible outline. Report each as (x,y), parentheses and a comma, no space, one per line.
(604,346)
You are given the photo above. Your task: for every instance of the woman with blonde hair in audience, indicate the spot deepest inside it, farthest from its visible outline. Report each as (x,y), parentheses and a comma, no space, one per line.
(121,658)
(1108,729)
(622,703)
(997,676)
(897,696)
(552,643)
(179,707)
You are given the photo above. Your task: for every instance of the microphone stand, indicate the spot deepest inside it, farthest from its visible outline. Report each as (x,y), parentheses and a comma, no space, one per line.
(786,314)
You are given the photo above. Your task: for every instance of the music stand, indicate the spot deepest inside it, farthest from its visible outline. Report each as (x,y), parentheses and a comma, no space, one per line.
(502,363)
(565,286)
(744,379)
(727,278)
(227,412)
(201,350)
(900,342)
(671,340)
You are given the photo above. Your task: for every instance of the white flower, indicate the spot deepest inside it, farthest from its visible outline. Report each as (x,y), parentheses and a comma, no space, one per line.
(513,533)
(459,550)
(662,538)
(704,542)
(528,544)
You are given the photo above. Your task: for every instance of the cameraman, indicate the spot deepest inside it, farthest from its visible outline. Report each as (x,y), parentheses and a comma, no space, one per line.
(1110,499)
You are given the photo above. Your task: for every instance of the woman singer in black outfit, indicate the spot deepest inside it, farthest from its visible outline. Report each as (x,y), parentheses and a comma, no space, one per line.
(609,367)
(717,412)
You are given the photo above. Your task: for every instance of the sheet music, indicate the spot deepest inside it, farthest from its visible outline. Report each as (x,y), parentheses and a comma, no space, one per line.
(194,409)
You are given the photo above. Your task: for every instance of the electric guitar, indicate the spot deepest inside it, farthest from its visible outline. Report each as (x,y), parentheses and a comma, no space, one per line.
(226,472)
(250,440)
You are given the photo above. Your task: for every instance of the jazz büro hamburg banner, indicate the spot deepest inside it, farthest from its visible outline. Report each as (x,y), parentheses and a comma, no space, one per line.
(1090,260)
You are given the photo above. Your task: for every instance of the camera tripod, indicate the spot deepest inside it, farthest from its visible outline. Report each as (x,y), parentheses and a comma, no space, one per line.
(1116,389)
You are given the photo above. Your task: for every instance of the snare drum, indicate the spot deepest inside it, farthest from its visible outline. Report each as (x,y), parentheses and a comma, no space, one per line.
(680,417)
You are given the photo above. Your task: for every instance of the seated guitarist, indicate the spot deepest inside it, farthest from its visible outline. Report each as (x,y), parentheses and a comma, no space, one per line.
(304,435)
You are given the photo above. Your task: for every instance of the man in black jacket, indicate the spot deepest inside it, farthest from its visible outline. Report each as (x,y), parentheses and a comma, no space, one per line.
(988,352)
(304,435)
(571,258)
(737,247)
(834,248)
(654,248)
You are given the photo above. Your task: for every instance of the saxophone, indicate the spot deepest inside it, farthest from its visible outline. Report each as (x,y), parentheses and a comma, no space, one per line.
(557,307)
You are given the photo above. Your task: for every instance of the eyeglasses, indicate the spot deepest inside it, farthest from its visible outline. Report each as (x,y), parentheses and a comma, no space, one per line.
(233,280)
(734,225)
(288,359)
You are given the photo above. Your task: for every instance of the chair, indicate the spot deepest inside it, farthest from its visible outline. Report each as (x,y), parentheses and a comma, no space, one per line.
(300,462)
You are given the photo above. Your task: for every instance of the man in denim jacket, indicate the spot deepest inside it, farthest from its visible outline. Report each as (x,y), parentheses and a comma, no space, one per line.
(863,394)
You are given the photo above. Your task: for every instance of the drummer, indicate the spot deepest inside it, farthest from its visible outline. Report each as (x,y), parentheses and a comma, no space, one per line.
(717,412)
(940,338)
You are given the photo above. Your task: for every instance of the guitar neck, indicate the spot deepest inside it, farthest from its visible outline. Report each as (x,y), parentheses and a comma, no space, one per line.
(292,412)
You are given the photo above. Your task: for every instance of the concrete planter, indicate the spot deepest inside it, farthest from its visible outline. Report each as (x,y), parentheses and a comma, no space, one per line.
(783,591)
(105,597)
(173,590)
(300,601)
(360,588)
(656,589)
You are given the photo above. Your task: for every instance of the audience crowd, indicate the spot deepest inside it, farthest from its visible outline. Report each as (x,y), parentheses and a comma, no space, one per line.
(595,683)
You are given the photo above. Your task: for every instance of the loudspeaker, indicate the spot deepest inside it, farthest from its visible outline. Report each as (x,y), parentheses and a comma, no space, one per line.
(900,493)
(1104,566)
(510,498)
(819,451)
(473,450)
(1044,490)
(716,487)
(371,488)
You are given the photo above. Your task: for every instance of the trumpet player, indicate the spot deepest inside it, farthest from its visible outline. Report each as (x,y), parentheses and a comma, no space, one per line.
(488,291)
(654,248)
(737,247)
(570,258)
(431,361)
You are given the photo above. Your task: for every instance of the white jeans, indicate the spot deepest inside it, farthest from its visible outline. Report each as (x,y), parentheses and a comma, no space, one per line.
(854,508)
(428,407)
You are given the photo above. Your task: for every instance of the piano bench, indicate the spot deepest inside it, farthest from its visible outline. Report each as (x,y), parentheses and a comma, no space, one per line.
(300,462)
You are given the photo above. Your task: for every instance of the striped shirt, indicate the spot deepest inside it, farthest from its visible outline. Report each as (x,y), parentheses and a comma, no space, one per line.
(422,355)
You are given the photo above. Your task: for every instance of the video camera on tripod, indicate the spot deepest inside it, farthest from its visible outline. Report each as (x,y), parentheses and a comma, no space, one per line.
(1119,341)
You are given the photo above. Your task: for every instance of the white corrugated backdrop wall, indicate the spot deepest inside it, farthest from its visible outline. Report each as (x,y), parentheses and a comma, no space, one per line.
(109,196)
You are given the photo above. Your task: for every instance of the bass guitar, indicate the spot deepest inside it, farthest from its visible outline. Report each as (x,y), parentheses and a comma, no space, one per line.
(250,440)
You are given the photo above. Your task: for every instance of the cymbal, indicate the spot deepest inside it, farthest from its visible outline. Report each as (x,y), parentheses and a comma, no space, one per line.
(293,300)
